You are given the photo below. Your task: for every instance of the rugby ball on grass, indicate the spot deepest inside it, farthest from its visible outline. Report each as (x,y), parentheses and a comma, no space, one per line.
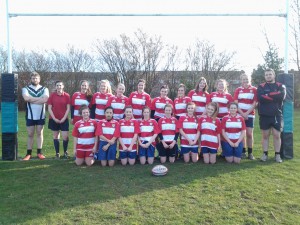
(159,170)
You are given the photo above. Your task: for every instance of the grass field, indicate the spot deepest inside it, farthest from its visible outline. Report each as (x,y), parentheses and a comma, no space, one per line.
(58,192)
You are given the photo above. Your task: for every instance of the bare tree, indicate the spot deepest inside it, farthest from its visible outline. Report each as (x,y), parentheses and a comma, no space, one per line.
(172,67)
(203,60)
(75,60)
(39,61)
(129,59)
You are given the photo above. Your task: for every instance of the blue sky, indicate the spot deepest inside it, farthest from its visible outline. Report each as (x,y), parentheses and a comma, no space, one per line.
(240,34)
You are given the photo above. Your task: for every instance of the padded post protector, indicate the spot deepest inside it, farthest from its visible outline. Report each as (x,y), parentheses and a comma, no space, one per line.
(9,122)
(288,81)
(9,146)
(288,116)
(9,87)
(286,150)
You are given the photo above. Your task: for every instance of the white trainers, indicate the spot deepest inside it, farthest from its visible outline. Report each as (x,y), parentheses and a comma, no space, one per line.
(251,156)
(278,158)
(264,157)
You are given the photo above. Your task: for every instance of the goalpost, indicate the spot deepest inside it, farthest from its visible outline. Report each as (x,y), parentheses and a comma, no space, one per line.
(284,78)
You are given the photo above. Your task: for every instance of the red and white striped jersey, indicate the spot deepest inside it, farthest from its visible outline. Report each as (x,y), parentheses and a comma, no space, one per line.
(78,99)
(147,129)
(138,101)
(190,126)
(108,129)
(168,128)
(209,130)
(233,126)
(180,105)
(158,105)
(223,99)
(85,131)
(100,100)
(128,128)
(118,104)
(246,97)
(200,99)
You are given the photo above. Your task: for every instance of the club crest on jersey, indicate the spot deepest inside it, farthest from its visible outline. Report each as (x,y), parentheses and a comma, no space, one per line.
(131,124)
(251,91)
(184,101)
(167,102)
(151,124)
(103,124)
(239,120)
(113,125)
(173,121)
(143,97)
(106,97)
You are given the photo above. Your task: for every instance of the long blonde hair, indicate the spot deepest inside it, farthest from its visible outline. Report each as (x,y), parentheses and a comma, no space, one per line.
(108,86)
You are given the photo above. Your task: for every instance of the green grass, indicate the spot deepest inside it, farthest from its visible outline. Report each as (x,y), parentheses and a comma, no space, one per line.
(58,192)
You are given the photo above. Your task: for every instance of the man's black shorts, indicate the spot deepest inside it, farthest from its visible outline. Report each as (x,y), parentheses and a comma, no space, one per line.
(266,122)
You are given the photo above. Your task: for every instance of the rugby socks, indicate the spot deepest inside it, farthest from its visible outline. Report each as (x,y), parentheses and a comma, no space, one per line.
(65,145)
(249,150)
(29,151)
(244,150)
(56,145)
(39,151)
(277,153)
(266,152)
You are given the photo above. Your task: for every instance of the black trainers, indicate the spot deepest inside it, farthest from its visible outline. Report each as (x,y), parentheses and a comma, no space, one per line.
(57,156)
(66,155)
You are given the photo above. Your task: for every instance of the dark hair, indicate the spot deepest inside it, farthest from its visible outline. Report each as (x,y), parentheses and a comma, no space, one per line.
(233,103)
(89,93)
(197,85)
(58,81)
(83,107)
(146,107)
(128,107)
(107,108)
(164,87)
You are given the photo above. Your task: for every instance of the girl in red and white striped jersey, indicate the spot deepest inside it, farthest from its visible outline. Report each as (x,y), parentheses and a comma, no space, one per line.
(85,141)
(246,97)
(233,131)
(108,131)
(200,96)
(100,99)
(167,147)
(189,130)
(118,102)
(148,132)
(129,129)
(158,103)
(222,97)
(180,102)
(83,97)
(210,129)
(139,99)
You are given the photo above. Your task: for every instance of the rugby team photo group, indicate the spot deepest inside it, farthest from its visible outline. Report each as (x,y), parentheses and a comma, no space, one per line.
(107,127)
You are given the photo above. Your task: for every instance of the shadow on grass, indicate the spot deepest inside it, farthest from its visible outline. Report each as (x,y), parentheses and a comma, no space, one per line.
(48,186)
